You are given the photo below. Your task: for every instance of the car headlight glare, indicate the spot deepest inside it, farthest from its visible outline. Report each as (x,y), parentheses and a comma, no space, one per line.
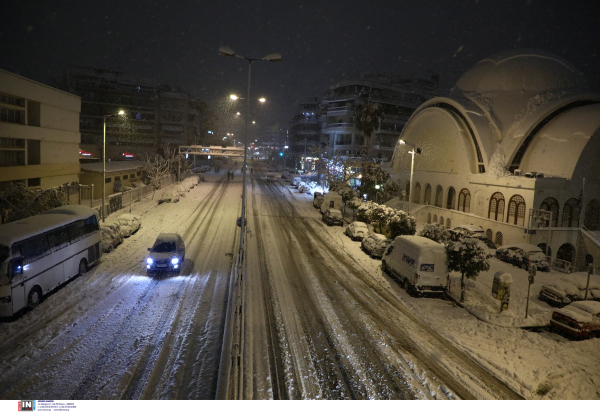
(175,261)
(149,261)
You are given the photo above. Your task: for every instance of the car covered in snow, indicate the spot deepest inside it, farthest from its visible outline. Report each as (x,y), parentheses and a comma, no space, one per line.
(487,245)
(333,217)
(577,320)
(116,231)
(468,231)
(318,200)
(170,196)
(109,240)
(569,288)
(129,223)
(523,255)
(167,254)
(201,169)
(375,244)
(357,230)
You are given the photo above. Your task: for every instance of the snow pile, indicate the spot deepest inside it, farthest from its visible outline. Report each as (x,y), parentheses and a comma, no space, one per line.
(497,163)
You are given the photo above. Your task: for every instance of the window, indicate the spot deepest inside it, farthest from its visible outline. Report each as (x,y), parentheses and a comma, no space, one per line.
(36,181)
(108,180)
(516,210)
(125,177)
(551,204)
(132,175)
(427,198)
(417,194)
(434,218)
(33,152)
(12,157)
(117,178)
(570,217)
(139,173)
(12,115)
(498,240)
(439,194)
(450,200)
(464,201)
(34,247)
(496,209)
(15,101)
(12,143)
(489,234)
(58,237)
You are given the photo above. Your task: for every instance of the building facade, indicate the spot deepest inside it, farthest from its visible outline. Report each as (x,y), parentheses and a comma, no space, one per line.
(518,134)
(39,133)
(157,117)
(397,97)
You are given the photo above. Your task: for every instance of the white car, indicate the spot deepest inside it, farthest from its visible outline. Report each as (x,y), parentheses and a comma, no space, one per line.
(570,288)
(523,255)
(469,231)
(375,244)
(129,223)
(357,230)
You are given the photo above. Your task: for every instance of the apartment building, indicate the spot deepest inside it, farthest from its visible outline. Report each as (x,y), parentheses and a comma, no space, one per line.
(158,117)
(398,97)
(39,133)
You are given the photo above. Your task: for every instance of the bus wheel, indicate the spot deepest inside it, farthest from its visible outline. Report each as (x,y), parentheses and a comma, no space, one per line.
(82,266)
(35,296)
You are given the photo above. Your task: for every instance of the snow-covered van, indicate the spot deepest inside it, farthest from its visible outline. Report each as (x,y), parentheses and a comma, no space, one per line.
(418,263)
(331,200)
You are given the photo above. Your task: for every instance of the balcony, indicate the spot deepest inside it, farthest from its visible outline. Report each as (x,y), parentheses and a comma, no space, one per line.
(338,126)
(339,111)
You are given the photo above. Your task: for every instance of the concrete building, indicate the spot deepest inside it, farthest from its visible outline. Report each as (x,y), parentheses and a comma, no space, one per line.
(518,134)
(397,97)
(118,174)
(39,133)
(157,116)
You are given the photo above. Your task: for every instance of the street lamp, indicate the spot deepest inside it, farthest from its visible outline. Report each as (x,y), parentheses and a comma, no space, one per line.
(121,113)
(273,57)
(418,150)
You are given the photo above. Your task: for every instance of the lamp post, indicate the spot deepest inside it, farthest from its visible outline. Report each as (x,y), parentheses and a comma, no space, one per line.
(121,113)
(414,150)
(273,57)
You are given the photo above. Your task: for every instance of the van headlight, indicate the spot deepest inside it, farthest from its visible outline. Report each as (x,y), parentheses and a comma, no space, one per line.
(149,261)
(174,261)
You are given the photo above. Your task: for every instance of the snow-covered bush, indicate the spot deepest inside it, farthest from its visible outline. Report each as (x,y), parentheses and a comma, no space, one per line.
(467,257)
(363,213)
(400,223)
(18,202)
(380,215)
(434,232)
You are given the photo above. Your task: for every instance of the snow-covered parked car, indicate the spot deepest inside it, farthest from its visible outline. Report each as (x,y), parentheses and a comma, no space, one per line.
(129,223)
(170,196)
(468,231)
(523,255)
(188,184)
(569,288)
(487,245)
(201,169)
(167,254)
(357,230)
(333,217)
(116,231)
(318,200)
(375,244)
(109,240)
(578,320)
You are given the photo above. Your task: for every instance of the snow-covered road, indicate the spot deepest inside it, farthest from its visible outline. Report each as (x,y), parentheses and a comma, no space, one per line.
(116,333)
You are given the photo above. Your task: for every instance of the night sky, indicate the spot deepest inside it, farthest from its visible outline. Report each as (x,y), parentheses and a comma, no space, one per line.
(322,42)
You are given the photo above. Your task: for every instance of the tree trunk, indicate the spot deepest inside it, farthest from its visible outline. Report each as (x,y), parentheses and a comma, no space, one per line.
(462,288)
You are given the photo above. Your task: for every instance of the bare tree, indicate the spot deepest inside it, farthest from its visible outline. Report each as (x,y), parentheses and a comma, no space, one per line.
(157,168)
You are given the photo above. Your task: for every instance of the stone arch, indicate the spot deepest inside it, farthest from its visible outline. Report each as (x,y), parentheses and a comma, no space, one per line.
(496,208)
(499,239)
(489,234)
(516,211)
(566,252)
(417,194)
(439,196)
(571,211)
(427,197)
(464,200)
(451,197)
(591,218)
(551,204)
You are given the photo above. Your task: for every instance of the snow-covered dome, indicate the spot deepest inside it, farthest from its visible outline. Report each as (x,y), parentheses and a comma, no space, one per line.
(521,70)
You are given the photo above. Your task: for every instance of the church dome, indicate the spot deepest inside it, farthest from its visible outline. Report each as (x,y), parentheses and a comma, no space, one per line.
(521,70)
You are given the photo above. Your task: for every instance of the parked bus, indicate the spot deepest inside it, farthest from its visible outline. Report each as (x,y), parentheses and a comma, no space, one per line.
(41,252)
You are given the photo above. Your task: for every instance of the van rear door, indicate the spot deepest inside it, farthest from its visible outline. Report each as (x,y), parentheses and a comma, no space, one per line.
(427,268)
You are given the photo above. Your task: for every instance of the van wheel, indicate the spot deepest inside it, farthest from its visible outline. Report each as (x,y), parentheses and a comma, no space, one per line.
(384,267)
(406,285)
(83,267)
(35,296)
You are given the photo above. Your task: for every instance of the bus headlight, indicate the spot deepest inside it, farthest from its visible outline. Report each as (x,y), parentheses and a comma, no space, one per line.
(5,299)
(149,261)
(174,261)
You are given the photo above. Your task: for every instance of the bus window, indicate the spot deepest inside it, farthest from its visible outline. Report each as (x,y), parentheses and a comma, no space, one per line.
(16,267)
(76,229)
(58,237)
(91,224)
(34,247)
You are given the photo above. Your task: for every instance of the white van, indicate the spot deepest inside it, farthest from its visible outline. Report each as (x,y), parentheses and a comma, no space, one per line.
(418,263)
(332,200)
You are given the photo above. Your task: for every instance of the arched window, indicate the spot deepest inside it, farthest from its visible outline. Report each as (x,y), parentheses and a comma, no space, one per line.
(439,194)
(551,204)
(428,217)
(407,190)
(464,201)
(566,252)
(496,210)
(441,220)
(570,216)
(417,194)
(434,218)
(516,210)
(448,223)
(498,240)
(427,198)
(589,259)
(489,234)
(451,196)
(592,215)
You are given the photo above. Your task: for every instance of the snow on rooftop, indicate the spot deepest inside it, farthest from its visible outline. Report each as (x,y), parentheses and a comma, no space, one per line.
(116,166)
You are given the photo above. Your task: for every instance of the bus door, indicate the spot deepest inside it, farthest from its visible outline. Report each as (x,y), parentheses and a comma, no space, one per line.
(17,284)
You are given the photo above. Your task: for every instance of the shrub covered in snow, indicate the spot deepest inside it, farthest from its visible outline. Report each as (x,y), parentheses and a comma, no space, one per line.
(435,233)
(400,223)
(18,202)
(467,257)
